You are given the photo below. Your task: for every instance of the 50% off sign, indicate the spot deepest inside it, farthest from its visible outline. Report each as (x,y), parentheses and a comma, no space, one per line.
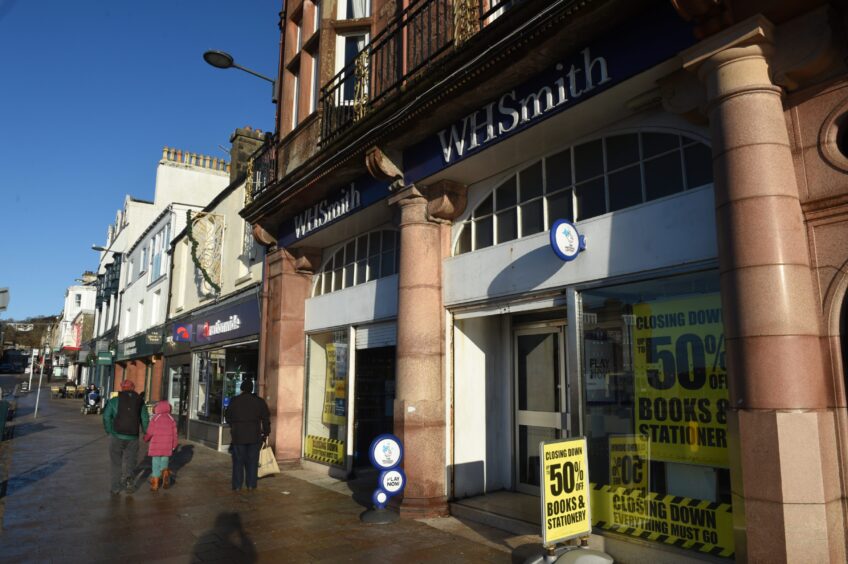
(566,512)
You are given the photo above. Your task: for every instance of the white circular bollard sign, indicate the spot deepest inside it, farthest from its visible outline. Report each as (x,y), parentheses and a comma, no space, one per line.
(566,241)
(386,452)
(392,481)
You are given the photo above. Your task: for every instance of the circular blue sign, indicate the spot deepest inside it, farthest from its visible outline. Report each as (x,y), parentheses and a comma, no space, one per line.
(566,241)
(392,481)
(386,452)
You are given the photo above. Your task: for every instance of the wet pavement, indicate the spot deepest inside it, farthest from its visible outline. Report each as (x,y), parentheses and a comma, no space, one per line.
(56,507)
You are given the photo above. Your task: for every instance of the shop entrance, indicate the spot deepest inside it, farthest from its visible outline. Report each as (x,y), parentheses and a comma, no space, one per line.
(178,395)
(374,398)
(539,370)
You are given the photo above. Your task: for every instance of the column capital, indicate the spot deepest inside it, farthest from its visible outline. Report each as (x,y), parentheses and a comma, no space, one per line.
(444,200)
(307,260)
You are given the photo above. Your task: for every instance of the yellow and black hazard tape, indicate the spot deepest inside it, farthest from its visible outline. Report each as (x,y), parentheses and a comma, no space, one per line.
(312,455)
(715,537)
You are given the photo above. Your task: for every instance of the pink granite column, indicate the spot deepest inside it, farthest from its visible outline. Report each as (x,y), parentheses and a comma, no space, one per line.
(420,401)
(285,290)
(785,476)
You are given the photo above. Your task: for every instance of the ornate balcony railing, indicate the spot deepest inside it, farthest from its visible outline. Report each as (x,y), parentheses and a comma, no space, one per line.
(261,170)
(410,43)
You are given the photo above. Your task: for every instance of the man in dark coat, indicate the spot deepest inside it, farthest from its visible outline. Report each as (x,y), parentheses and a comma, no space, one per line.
(250,423)
(123,416)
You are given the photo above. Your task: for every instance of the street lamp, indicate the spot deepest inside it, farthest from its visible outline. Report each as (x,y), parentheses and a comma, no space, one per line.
(222,60)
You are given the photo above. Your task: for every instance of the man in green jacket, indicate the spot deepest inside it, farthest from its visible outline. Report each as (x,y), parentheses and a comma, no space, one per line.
(123,416)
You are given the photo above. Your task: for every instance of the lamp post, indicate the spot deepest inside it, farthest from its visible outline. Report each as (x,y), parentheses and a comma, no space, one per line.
(222,60)
(41,374)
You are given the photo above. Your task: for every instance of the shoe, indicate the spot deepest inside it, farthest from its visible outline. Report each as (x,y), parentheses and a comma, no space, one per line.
(115,492)
(130,486)
(166,479)
(154,484)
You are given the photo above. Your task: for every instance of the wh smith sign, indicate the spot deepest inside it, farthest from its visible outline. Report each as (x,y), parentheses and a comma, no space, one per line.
(644,43)
(226,323)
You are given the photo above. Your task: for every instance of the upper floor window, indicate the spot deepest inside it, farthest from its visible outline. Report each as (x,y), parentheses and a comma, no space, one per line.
(142,265)
(368,257)
(353,9)
(584,181)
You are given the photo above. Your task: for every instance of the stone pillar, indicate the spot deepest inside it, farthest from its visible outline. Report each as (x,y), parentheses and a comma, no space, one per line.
(425,214)
(784,472)
(282,351)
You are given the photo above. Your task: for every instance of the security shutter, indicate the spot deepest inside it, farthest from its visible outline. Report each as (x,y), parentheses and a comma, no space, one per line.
(376,335)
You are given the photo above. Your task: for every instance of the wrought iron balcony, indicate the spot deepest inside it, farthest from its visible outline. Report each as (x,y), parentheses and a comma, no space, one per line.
(411,43)
(261,170)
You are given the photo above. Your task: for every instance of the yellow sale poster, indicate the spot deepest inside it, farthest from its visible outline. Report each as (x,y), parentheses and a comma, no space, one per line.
(680,379)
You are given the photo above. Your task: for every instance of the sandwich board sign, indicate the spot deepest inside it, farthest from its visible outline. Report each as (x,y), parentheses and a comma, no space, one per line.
(566,511)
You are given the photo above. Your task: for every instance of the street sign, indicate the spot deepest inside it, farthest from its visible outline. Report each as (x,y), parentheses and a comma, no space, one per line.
(386,453)
(566,511)
(4,298)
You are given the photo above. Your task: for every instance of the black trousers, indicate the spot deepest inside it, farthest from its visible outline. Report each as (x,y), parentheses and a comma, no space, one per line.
(245,464)
(123,456)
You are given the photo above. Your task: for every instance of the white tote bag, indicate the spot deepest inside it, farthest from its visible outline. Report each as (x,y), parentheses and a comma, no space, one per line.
(267,461)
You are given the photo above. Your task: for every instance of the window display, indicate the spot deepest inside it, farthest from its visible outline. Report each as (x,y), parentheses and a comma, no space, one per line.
(220,374)
(326,409)
(655,387)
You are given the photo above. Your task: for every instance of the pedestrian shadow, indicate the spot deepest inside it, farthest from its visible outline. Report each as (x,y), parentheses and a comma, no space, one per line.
(362,482)
(24,429)
(227,541)
(182,457)
(26,479)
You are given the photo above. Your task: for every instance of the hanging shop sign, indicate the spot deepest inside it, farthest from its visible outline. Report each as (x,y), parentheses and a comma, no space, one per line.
(104,358)
(386,454)
(566,241)
(680,379)
(590,70)
(348,199)
(566,504)
(680,521)
(229,322)
(147,344)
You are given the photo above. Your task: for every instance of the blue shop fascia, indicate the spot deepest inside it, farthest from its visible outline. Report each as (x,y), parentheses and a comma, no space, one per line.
(209,352)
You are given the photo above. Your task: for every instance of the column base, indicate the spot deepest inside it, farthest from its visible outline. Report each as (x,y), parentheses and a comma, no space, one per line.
(424,507)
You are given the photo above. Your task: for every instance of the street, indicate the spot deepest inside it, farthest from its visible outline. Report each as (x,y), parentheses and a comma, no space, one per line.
(56,507)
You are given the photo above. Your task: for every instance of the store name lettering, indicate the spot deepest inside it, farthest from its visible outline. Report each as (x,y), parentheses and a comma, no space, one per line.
(325,212)
(232,324)
(501,117)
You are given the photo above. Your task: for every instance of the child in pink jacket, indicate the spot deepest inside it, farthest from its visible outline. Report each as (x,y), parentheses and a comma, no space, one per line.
(162,436)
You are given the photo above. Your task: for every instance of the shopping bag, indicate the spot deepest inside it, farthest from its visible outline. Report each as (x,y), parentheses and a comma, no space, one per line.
(267,461)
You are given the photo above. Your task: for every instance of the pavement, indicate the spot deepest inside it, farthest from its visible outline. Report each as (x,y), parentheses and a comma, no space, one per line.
(55,506)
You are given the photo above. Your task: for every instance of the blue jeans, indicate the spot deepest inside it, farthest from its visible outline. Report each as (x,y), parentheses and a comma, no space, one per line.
(159,463)
(245,464)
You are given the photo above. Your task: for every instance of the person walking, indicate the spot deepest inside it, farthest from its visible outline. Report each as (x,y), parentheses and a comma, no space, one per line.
(123,416)
(162,436)
(250,423)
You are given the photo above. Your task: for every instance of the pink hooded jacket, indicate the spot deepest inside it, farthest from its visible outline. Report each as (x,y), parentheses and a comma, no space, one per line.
(161,431)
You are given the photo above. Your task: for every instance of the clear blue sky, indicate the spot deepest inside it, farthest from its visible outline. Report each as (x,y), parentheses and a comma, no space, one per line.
(90,93)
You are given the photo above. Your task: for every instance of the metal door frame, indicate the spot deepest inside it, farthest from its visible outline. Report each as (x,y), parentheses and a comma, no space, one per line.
(555,420)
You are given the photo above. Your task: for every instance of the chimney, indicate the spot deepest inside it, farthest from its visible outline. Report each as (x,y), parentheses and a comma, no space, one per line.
(245,141)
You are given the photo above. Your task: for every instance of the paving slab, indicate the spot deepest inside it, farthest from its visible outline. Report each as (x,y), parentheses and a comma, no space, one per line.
(55,506)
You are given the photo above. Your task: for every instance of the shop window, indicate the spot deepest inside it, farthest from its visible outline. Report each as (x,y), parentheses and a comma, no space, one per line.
(587,180)
(655,389)
(365,258)
(326,398)
(220,374)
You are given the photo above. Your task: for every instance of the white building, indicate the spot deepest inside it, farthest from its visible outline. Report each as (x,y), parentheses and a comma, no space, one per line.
(182,177)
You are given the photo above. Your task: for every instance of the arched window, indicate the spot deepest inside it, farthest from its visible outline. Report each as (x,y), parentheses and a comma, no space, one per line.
(362,259)
(584,181)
